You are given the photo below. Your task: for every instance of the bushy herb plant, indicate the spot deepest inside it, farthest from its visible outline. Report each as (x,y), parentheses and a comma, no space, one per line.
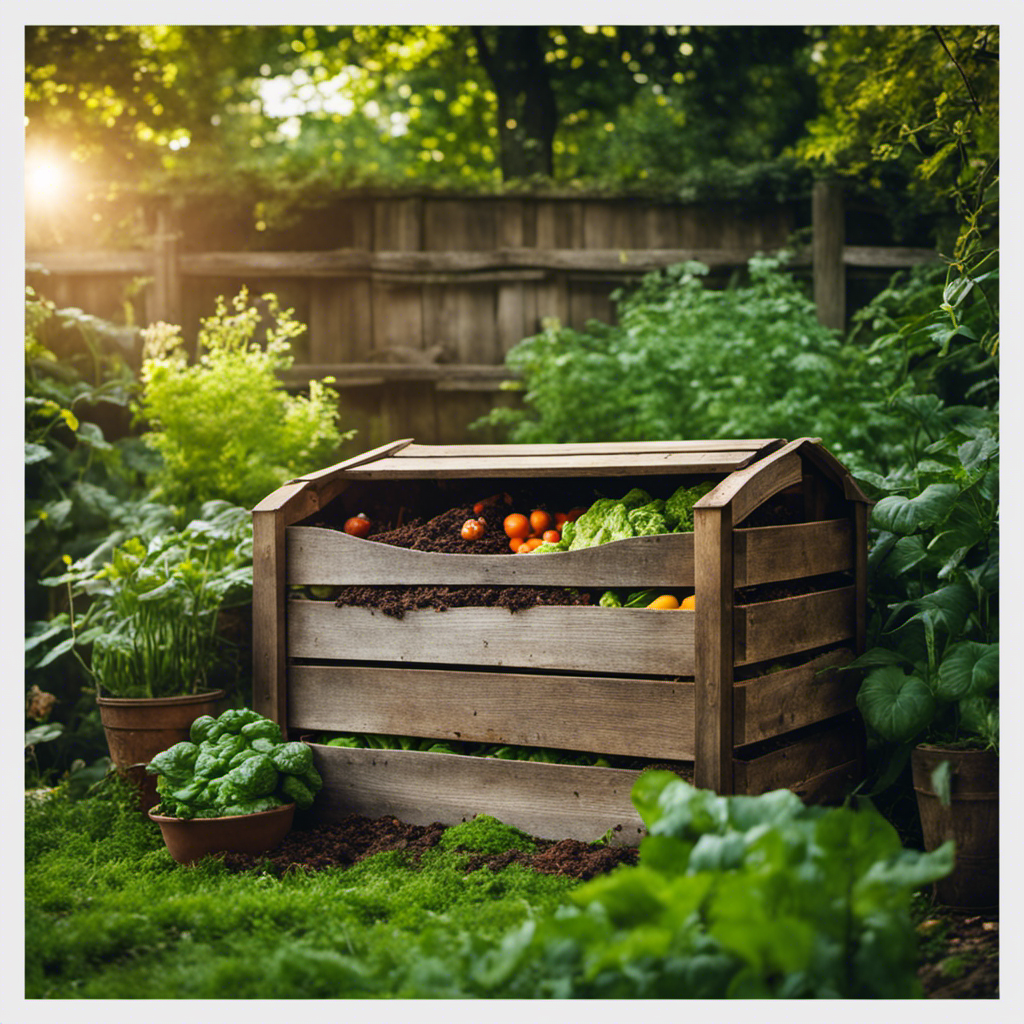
(145,623)
(224,425)
(689,361)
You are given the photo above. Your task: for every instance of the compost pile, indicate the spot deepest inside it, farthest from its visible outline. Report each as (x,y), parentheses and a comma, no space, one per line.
(442,534)
(338,844)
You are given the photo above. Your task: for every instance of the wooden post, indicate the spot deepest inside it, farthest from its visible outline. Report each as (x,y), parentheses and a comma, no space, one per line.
(827,253)
(165,294)
(713,649)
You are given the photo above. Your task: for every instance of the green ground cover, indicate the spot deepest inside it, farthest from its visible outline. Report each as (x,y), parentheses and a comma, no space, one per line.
(109,915)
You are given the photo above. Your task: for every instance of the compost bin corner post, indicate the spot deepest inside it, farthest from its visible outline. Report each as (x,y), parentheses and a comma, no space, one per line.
(713,648)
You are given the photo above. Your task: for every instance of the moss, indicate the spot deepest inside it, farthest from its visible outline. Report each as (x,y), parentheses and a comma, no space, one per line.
(486,835)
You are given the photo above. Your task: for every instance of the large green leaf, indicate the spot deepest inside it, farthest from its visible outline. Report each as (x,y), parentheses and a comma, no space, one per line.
(976,452)
(896,705)
(968,668)
(906,553)
(903,515)
(946,609)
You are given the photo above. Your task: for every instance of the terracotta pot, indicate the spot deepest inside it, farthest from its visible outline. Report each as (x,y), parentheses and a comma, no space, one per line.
(189,840)
(138,728)
(971,820)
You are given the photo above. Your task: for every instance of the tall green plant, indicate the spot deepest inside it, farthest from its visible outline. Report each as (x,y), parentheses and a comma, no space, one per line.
(688,361)
(145,624)
(224,425)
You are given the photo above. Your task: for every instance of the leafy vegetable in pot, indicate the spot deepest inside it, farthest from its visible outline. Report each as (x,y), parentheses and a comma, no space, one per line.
(237,763)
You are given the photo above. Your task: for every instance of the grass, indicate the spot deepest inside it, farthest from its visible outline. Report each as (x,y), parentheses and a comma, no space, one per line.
(109,915)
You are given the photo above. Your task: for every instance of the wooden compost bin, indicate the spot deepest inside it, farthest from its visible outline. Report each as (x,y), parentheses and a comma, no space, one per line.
(745,690)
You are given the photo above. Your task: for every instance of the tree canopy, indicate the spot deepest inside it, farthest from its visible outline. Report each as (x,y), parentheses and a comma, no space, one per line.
(148,107)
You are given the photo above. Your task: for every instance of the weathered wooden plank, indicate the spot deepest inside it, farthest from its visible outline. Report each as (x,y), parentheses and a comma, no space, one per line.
(268,616)
(376,373)
(397,316)
(771,629)
(819,751)
(780,702)
(93,261)
(340,322)
(748,445)
(713,654)
(576,638)
(768,553)
(581,465)
(318,556)
(550,801)
(398,223)
(631,717)
(744,491)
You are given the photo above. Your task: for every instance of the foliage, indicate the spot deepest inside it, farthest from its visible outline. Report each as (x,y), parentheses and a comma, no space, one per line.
(740,896)
(485,834)
(150,627)
(686,361)
(921,100)
(78,484)
(237,763)
(110,915)
(275,113)
(224,425)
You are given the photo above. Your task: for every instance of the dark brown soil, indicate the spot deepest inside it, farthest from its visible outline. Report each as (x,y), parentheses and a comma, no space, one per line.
(355,837)
(959,954)
(959,950)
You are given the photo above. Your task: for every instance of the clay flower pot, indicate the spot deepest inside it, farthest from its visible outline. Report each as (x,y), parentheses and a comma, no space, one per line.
(190,839)
(139,728)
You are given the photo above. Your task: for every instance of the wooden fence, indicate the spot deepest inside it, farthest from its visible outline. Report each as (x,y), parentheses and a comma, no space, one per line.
(415,309)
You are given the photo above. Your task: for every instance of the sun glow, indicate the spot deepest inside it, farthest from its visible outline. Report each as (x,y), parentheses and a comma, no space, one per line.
(46,179)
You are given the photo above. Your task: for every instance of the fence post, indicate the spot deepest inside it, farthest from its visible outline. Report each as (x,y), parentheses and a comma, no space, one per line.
(829,236)
(165,295)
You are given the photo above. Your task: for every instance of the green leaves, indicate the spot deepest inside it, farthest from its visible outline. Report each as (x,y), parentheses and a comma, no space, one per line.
(968,669)
(896,705)
(902,515)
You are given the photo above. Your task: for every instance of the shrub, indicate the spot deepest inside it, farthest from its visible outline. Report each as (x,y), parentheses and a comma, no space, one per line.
(224,425)
(687,361)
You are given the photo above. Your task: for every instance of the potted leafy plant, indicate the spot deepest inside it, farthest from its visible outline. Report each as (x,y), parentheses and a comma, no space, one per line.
(149,637)
(232,786)
(932,685)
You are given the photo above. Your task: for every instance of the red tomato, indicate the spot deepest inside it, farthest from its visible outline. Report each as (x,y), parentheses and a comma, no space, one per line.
(358,526)
(551,536)
(561,518)
(574,514)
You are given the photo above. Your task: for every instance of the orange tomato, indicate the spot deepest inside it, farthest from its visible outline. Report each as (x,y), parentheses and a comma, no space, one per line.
(517,525)
(473,529)
(540,520)
(574,514)
(689,603)
(551,536)
(561,518)
(516,543)
(664,601)
(529,545)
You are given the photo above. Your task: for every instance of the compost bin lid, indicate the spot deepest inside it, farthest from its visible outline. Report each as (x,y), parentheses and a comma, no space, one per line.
(618,458)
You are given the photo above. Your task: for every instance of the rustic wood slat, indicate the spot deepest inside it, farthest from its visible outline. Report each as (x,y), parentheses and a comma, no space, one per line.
(807,757)
(589,448)
(771,629)
(575,465)
(713,654)
(744,491)
(268,616)
(574,638)
(765,554)
(780,702)
(631,717)
(546,800)
(329,557)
